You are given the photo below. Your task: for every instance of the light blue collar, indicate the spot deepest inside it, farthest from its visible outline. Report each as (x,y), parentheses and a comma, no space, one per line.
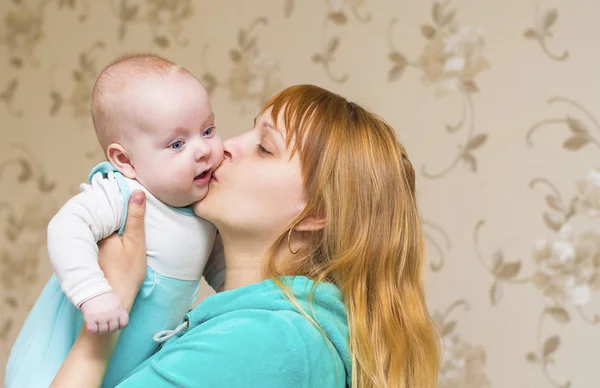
(186,211)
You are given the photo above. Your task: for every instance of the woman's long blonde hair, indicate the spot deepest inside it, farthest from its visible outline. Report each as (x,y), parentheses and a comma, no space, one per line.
(358,177)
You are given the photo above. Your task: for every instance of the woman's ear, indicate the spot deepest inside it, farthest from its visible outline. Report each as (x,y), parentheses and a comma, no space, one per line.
(310,224)
(119,157)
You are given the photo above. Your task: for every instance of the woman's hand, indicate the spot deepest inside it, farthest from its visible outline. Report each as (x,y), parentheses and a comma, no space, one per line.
(123,260)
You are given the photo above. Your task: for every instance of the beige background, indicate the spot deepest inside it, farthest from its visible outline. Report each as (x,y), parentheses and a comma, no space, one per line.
(496,101)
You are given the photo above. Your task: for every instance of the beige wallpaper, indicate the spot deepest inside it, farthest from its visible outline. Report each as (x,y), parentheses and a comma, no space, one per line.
(497,103)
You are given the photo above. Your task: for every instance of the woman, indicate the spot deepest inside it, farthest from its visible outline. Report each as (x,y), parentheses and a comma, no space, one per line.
(317,210)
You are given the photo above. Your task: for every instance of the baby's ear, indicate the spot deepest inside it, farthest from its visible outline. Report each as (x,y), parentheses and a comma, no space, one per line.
(119,157)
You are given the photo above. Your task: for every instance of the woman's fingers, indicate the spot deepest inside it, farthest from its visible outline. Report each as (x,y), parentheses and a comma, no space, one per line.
(134,225)
(123,260)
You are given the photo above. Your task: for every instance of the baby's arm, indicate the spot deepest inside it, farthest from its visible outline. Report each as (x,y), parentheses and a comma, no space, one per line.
(73,233)
(214,271)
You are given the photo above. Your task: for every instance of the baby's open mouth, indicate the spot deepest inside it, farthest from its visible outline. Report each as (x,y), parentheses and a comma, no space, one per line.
(202,175)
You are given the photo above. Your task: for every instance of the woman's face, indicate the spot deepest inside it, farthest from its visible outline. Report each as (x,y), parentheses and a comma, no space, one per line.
(257,190)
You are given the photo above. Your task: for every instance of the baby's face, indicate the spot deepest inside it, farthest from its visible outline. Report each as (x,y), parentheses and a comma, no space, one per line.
(174,147)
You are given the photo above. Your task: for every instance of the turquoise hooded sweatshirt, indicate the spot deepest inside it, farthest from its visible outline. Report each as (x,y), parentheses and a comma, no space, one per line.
(253,336)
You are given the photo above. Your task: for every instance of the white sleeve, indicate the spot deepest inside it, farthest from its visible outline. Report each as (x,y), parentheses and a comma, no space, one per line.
(214,271)
(74,231)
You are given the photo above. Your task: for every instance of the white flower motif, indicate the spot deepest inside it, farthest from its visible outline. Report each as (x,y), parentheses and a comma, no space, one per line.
(463,366)
(454,64)
(254,77)
(589,194)
(568,268)
(563,251)
(464,41)
(579,294)
(453,57)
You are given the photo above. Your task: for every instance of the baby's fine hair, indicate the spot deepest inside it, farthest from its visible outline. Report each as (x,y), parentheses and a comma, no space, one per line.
(117,76)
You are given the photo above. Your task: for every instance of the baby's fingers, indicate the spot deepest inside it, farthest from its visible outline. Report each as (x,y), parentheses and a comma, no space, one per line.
(91,327)
(123,319)
(113,325)
(102,326)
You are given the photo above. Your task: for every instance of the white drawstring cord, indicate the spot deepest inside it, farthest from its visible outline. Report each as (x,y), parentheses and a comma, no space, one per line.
(164,335)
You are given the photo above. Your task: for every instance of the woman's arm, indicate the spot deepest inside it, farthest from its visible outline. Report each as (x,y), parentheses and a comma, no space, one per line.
(123,261)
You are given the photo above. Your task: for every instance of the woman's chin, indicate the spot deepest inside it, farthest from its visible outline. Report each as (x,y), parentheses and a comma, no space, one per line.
(204,207)
(198,207)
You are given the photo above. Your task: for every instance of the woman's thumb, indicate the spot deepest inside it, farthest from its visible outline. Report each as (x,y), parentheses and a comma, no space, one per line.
(134,225)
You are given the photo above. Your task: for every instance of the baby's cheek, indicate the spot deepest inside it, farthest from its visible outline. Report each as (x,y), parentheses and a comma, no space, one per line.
(166,179)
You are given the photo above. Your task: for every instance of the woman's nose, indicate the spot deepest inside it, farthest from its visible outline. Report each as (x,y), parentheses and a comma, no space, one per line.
(229,147)
(238,146)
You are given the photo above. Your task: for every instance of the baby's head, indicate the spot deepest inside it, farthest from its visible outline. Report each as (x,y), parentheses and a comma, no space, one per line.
(156,125)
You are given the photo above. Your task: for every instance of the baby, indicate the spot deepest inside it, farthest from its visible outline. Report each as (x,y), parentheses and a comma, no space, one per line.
(156,125)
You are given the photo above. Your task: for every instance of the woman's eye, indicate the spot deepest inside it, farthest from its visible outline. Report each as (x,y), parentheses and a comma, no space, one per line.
(176,145)
(263,150)
(208,131)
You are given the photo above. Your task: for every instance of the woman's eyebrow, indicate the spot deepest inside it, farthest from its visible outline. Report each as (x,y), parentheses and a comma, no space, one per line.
(268,125)
(272,128)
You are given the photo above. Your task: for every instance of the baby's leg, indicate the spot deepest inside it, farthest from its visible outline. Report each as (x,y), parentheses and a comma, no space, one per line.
(44,340)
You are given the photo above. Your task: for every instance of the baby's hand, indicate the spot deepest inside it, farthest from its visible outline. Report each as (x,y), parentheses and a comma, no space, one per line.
(104,313)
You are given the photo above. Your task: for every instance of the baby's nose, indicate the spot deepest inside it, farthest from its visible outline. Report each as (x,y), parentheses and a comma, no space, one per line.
(202,150)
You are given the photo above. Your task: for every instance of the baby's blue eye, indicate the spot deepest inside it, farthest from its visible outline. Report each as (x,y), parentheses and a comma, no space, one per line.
(208,131)
(176,145)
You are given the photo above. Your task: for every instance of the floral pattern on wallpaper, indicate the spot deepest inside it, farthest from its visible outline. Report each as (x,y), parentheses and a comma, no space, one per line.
(80,7)
(338,15)
(542,31)
(83,79)
(7,96)
(462,364)
(23,233)
(166,19)
(21,31)
(450,60)
(338,10)
(254,75)
(438,239)
(567,266)
(326,57)
(23,25)
(564,266)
